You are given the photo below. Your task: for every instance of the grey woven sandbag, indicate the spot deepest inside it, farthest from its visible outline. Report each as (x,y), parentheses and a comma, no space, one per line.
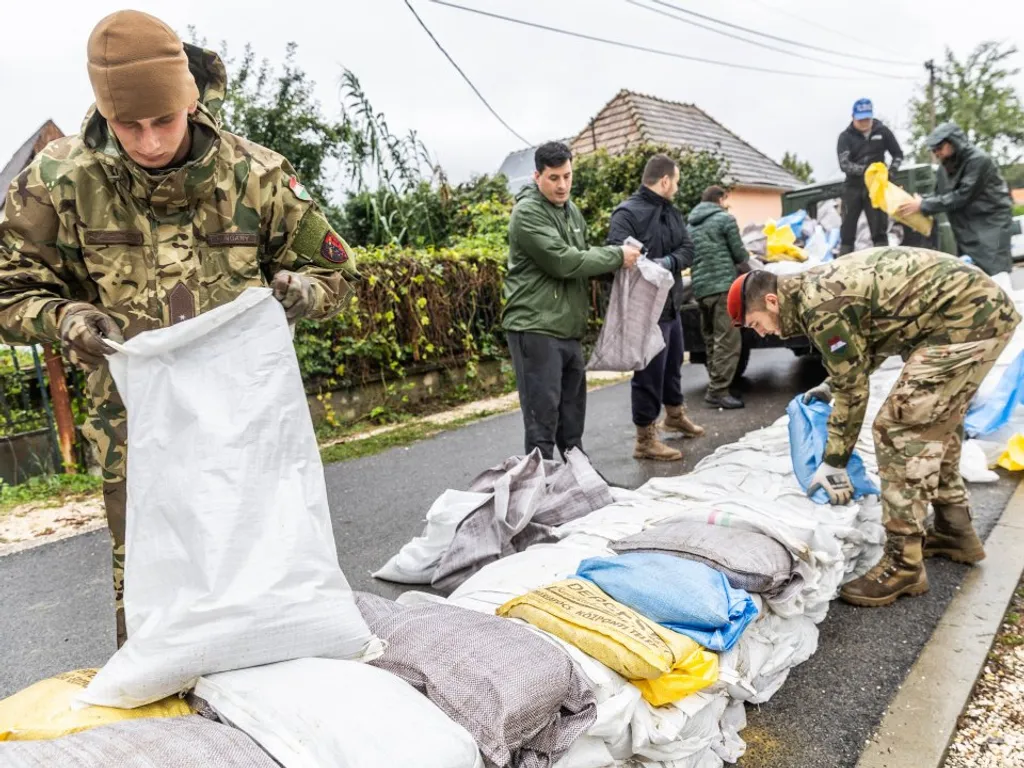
(751,561)
(521,697)
(168,742)
(630,337)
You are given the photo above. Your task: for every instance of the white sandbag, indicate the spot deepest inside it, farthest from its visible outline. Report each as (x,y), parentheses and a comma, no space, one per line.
(631,337)
(230,557)
(416,562)
(325,712)
(974,464)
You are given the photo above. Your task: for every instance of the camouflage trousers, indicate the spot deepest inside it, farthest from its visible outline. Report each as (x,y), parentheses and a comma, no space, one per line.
(919,431)
(107,429)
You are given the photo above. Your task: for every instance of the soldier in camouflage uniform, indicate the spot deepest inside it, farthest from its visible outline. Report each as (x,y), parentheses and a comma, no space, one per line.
(949,322)
(152,215)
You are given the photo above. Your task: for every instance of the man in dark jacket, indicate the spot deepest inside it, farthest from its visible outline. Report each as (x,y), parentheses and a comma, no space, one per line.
(720,258)
(864,142)
(547,302)
(971,191)
(650,217)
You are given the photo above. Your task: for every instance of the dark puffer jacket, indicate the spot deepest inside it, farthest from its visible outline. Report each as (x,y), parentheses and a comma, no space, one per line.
(973,194)
(718,248)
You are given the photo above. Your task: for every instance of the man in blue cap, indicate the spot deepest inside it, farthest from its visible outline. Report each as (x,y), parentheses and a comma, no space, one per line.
(865,141)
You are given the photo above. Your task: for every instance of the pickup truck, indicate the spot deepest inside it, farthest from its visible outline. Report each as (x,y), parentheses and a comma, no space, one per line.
(919,179)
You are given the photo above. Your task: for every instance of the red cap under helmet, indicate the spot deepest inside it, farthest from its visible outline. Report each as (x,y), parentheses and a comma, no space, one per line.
(736,302)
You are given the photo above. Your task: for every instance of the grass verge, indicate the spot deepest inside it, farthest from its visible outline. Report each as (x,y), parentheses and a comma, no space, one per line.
(56,489)
(403,435)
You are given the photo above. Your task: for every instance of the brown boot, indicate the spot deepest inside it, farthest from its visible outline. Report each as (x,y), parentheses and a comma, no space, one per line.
(648,446)
(953,536)
(676,420)
(899,572)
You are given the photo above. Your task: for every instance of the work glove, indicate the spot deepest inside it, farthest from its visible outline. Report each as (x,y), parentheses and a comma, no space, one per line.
(822,392)
(295,292)
(835,482)
(83,330)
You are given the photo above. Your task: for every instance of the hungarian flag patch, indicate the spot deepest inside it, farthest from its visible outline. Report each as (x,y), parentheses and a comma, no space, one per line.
(333,249)
(297,189)
(836,345)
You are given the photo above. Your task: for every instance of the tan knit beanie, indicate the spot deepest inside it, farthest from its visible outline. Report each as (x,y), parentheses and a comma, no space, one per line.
(138,68)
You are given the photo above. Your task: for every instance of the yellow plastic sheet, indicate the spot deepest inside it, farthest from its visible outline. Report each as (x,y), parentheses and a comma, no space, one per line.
(665,665)
(43,710)
(888,197)
(782,244)
(1013,457)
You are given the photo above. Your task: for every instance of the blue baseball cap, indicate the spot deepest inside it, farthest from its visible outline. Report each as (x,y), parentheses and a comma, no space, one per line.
(863,109)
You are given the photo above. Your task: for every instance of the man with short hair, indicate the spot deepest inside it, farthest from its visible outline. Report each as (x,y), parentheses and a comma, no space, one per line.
(650,217)
(971,191)
(950,323)
(151,216)
(720,257)
(547,302)
(864,142)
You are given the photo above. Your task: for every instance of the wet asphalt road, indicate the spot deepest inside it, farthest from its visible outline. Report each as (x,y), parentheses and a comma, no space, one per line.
(56,605)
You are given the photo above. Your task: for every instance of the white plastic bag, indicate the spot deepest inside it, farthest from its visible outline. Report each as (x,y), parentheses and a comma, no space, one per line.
(323,712)
(416,562)
(631,337)
(230,557)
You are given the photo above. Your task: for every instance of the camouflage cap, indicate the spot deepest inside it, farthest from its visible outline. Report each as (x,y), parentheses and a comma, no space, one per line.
(138,68)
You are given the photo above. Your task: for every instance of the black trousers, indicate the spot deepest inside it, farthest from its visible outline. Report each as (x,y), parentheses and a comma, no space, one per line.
(660,383)
(552,383)
(856,199)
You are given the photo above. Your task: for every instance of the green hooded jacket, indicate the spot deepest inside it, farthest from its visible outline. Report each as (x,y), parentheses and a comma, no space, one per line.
(976,199)
(718,248)
(549,267)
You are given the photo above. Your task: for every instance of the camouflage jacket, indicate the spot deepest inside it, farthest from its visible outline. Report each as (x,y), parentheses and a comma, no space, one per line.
(85,223)
(864,308)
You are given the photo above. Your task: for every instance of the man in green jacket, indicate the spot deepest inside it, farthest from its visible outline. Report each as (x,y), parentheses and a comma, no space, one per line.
(719,257)
(547,302)
(972,192)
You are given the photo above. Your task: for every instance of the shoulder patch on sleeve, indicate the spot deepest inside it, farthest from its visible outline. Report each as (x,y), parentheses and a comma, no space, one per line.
(333,249)
(296,187)
(833,342)
(316,241)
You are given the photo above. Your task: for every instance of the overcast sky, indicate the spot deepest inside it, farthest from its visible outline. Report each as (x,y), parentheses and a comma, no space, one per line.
(544,84)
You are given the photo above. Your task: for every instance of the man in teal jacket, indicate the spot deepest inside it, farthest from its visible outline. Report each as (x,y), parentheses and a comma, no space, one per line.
(719,256)
(547,302)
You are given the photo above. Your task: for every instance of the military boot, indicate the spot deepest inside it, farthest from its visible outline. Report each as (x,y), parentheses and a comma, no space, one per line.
(899,572)
(952,535)
(676,420)
(649,446)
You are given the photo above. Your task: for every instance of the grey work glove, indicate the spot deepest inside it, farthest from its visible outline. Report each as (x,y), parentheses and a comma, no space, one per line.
(835,482)
(822,392)
(83,330)
(295,292)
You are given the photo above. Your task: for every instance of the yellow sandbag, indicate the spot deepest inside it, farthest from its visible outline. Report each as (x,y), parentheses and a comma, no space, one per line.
(43,710)
(1013,457)
(888,197)
(671,665)
(782,244)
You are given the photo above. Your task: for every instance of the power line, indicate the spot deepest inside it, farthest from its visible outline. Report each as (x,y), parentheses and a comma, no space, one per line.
(795,43)
(632,47)
(465,77)
(768,46)
(813,23)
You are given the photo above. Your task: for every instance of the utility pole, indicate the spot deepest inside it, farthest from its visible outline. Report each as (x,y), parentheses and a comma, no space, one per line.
(930,66)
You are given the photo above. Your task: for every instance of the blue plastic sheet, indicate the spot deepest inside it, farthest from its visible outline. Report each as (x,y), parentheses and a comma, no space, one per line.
(832,240)
(685,596)
(808,433)
(795,221)
(986,416)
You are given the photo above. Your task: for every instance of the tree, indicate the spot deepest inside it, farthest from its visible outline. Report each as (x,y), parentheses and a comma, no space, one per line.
(799,168)
(978,95)
(601,181)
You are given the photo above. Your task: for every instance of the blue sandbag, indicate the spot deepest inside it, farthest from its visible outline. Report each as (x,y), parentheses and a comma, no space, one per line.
(986,416)
(685,596)
(808,433)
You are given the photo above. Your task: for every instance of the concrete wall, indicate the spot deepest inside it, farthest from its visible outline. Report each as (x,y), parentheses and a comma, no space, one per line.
(354,403)
(754,206)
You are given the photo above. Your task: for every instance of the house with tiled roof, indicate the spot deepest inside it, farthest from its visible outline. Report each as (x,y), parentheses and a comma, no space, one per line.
(631,119)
